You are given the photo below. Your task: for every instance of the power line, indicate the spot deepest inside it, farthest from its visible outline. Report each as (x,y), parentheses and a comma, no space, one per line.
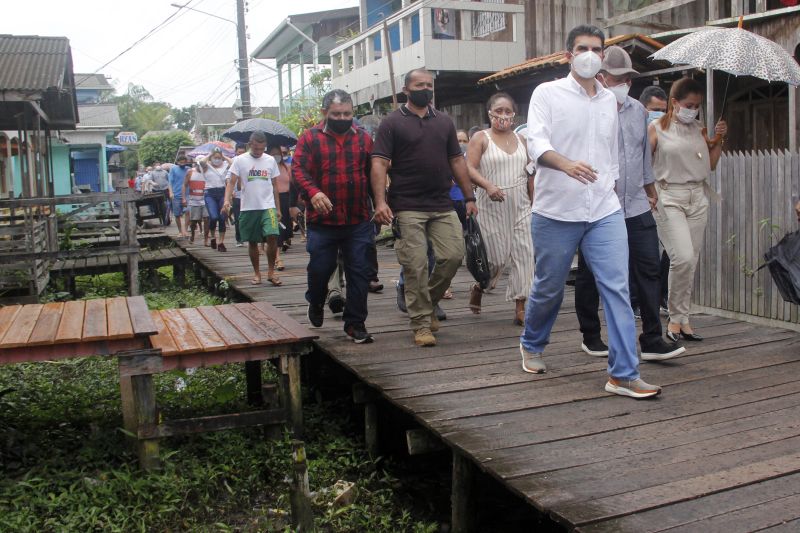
(129,48)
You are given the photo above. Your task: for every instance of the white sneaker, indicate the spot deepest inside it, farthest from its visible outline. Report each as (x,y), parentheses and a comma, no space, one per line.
(634,388)
(532,363)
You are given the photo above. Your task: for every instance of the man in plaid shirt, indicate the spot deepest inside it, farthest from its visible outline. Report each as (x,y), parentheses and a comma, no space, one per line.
(331,168)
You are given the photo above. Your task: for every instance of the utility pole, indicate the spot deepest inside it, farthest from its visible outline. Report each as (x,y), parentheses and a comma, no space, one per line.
(388,45)
(244,71)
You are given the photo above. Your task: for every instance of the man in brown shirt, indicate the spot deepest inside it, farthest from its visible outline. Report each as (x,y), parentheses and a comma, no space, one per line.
(421,145)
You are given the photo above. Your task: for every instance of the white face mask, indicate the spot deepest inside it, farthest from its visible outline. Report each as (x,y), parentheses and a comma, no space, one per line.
(587,64)
(687,115)
(620,92)
(216,162)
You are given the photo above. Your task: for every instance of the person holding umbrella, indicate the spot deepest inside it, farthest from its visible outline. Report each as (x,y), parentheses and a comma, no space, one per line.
(256,173)
(683,157)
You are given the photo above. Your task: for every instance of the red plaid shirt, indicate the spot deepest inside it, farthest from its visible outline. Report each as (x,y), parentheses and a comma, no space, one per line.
(337,166)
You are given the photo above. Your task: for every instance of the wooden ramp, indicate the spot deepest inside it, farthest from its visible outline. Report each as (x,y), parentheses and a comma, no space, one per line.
(718,451)
(88,266)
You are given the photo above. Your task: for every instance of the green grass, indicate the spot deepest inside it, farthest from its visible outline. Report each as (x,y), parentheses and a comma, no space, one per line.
(66,465)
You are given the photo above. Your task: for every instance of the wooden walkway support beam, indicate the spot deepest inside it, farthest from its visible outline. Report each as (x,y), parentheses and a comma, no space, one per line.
(300,494)
(463,500)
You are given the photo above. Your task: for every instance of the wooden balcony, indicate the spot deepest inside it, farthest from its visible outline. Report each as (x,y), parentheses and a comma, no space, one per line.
(441,35)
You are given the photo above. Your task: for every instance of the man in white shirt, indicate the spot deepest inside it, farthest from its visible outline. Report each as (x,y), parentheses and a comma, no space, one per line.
(572,134)
(256,172)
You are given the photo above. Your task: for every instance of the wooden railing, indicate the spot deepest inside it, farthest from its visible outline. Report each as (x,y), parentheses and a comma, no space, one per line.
(757,191)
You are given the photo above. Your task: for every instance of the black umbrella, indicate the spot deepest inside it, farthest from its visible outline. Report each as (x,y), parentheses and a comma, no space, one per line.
(277,133)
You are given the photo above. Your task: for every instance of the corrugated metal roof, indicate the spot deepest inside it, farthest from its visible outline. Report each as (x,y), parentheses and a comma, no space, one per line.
(559,58)
(92,81)
(33,63)
(96,116)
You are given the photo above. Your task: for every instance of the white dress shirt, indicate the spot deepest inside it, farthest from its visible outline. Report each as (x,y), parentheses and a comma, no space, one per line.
(563,117)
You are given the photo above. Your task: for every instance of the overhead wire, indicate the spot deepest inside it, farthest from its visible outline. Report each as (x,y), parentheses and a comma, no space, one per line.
(159,26)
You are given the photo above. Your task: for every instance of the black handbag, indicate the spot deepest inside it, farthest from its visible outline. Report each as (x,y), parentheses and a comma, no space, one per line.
(783,260)
(477,262)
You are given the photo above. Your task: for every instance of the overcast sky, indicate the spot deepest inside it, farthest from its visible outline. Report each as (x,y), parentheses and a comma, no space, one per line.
(189,60)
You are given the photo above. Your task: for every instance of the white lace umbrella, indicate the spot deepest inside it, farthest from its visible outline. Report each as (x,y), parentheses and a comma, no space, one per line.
(735,51)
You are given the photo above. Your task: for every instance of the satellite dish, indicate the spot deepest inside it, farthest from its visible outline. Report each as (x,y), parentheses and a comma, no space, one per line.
(256,111)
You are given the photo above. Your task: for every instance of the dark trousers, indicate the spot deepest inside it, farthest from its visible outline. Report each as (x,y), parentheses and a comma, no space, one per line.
(664,278)
(323,244)
(285,232)
(236,207)
(373,252)
(644,267)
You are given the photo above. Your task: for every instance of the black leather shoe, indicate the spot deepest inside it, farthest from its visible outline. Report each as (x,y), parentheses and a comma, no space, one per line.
(674,337)
(691,336)
(440,314)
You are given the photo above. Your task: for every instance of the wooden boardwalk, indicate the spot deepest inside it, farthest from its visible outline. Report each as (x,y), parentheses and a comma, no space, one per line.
(718,451)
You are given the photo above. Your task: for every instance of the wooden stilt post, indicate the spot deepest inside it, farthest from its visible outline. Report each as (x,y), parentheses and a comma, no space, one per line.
(363,395)
(252,373)
(179,274)
(127,237)
(300,494)
(145,401)
(463,501)
(295,394)
(371,428)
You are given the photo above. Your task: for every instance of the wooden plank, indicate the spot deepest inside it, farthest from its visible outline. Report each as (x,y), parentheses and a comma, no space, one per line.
(190,426)
(7,316)
(254,333)
(287,323)
(20,330)
(694,513)
(652,9)
(47,324)
(141,318)
(119,318)
(70,329)
(185,339)
(232,337)
(162,340)
(204,332)
(95,320)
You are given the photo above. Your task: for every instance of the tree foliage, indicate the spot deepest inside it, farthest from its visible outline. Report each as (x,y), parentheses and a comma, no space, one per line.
(163,147)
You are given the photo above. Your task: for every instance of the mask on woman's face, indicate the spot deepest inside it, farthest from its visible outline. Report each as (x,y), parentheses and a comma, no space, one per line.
(501,122)
(216,161)
(686,115)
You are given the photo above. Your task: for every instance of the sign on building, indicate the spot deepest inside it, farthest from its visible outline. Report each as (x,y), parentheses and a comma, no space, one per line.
(127,137)
(486,23)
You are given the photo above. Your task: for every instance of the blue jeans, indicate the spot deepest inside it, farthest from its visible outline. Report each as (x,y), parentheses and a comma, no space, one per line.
(431,264)
(604,245)
(323,244)
(214,198)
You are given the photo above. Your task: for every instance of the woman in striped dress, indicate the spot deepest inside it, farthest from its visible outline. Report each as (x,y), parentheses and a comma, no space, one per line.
(497,159)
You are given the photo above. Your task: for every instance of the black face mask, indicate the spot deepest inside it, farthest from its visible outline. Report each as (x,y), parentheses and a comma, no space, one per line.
(340,125)
(420,98)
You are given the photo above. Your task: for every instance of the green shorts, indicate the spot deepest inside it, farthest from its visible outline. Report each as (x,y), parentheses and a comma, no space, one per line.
(256,226)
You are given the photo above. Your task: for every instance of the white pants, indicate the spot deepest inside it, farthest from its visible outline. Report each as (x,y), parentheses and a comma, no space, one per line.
(681,217)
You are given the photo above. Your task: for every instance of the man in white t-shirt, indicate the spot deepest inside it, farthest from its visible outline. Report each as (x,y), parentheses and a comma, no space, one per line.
(256,172)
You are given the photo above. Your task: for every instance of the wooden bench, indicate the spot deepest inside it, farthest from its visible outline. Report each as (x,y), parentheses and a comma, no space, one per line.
(209,336)
(59,330)
(148,342)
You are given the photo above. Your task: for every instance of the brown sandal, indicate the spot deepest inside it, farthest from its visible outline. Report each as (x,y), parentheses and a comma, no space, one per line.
(519,315)
(475,296)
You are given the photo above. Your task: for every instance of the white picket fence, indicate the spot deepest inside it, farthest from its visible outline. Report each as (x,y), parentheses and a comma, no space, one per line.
(755,211)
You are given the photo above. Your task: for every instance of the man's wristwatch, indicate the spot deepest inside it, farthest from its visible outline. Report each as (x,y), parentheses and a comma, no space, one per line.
(469,199)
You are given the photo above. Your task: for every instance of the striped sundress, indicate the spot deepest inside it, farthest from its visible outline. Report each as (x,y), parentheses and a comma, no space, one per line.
(506,225)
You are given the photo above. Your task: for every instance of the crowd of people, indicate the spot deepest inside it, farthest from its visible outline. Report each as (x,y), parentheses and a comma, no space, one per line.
(598,173)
